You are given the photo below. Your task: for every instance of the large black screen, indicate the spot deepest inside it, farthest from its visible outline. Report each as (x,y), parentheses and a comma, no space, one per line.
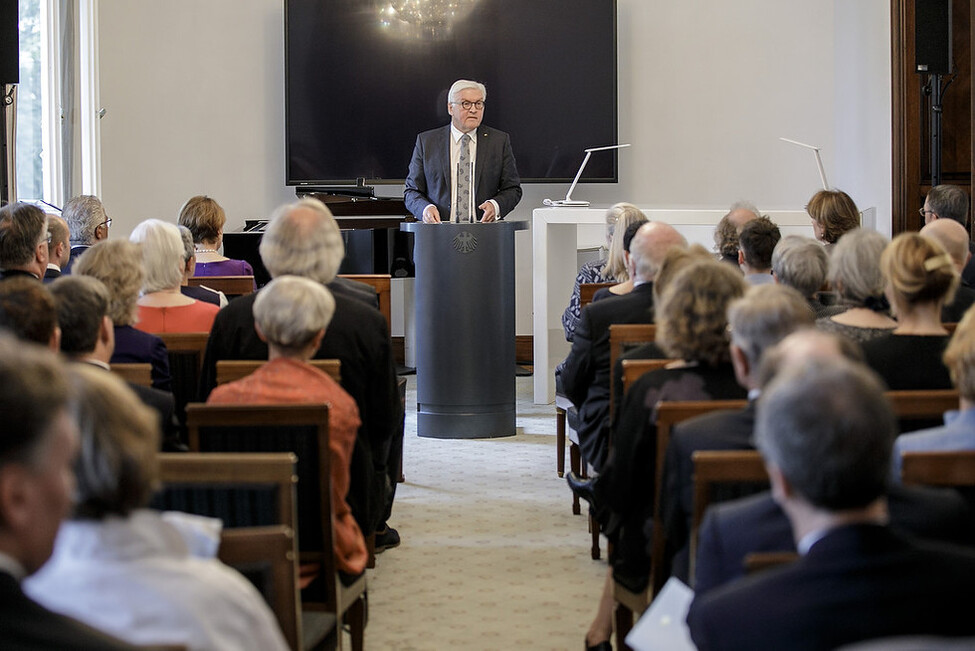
(361,83)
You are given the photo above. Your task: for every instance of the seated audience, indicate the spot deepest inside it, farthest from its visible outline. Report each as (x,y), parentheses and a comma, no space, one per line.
(303,239)
(206,219)
(833,213)
(854,273)
(133,572)
(950,202)
(199,292)
(118,264)
(692,328)
(38,445)
(292,314)
(23,241)
(921,278)
(728,230)
(88,336)
(27,312)
(88,224)
(162,307)
(825,431)
(585,376)
(58,248)
(599,271)
(732,530)
(626,228)
(958,431)
(801,263)
(757,321)
(954,238)
(755,245)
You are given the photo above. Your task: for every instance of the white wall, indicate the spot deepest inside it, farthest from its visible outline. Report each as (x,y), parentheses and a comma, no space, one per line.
(195,104)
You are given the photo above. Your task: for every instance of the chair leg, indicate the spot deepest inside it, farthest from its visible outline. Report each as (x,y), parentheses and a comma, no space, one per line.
(560,441)
(355,617)
(624,622)
(575,465)
(594,528)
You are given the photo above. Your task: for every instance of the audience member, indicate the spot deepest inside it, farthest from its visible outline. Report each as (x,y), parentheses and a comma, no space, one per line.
(921,278)
(954,238)
(292,314)
(88,336)
(206,219)
(833,213)
(303,239)
(162,307)
(58,248)
(131,571)
(950,202)
(732,530)
(598,271)
(38,444)
(118,264)
(755,245)
(199,292)
(88,224)
(801,263)
(626,238)
(757,321)
(854,273)
(826,432)
(729,228)
(23,241)
(27,312)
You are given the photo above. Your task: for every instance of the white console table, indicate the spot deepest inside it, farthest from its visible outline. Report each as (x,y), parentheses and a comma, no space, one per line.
(554,245)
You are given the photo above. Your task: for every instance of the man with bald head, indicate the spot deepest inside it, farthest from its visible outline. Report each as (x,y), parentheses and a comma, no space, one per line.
(949,202)
(58,249)
(954,238)
(587,368)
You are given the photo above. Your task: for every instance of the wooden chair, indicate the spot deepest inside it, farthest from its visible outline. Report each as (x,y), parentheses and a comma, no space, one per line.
(922,404)
(302,430)
(381,283)
(186,351)
(588,290)
(634,369)
(950,327)
(230,370)
(761,561)
(715,468)
(954,468)
(266,557)
(135,373)
(229,285)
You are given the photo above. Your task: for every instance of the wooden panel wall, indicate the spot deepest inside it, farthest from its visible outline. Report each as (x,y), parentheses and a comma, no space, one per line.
(911,128)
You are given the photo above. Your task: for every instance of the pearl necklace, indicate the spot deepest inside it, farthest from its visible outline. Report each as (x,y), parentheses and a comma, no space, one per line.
(206,250)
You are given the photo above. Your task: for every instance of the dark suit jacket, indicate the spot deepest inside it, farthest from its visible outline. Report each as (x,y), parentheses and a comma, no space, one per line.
(733,530)
(136,347)
(964,298)
(724,430)
(354,289)
(585,376)
(51,275)
(359,338)
(968,273)
(76,251)
(16,273)
(204,294)
(26,625)
(859,582)
(429,178)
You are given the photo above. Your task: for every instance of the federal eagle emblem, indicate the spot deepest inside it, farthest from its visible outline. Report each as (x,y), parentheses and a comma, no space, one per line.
(465,242)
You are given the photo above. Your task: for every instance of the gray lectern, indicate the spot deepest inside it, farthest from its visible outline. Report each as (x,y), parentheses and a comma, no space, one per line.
(465,328)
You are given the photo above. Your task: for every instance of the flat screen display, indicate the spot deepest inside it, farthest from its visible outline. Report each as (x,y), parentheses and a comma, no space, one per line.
(363,78)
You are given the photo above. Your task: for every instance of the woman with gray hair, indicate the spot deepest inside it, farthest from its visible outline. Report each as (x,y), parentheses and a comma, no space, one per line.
(801,263)
(145,577)
(291,315)
(163,307)
(854,273)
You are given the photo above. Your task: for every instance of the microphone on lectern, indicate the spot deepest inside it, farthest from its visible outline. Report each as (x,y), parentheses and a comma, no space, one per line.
(569,201)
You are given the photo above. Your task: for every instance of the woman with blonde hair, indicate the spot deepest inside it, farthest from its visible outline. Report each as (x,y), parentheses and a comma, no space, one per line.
(833,213)
(920,278)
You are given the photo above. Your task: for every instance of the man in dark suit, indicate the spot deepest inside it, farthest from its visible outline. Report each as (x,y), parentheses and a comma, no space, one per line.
(826,433)
(23,241)
(58,248)
(950,202)
(38,444)
(757,321)
(954,238)
(585,376)
(88,224)
(450,161)
(303,239)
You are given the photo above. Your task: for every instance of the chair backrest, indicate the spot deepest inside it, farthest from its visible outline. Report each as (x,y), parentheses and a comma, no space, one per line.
(231,370)
(634,369)
(301,429)
(950,327)
(229,285)
(381,283)
(588,290)
(920,408)
(669,413)
(140,373)
(734,473)
(185,363)
(761,561)
(622,337)
(266,557)
(955,468)
(243,490)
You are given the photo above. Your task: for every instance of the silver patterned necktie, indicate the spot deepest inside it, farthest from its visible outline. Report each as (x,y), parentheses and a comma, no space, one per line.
(463,208)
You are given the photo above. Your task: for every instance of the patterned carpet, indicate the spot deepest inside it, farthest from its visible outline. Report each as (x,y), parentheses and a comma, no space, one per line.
(492,557)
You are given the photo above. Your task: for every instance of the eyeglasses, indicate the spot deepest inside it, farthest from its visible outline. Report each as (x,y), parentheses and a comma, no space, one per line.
(924,213)
(107,223)
(468,105)
(48,237)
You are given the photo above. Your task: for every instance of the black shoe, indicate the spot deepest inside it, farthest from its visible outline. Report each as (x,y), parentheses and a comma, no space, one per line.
(583,488)
(602,646)
(386,539)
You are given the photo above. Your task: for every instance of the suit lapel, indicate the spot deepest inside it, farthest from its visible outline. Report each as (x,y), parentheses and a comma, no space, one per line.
(480,160)
(444,154)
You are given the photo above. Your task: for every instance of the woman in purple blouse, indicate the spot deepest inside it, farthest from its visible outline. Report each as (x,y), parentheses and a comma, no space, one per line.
(205,219)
